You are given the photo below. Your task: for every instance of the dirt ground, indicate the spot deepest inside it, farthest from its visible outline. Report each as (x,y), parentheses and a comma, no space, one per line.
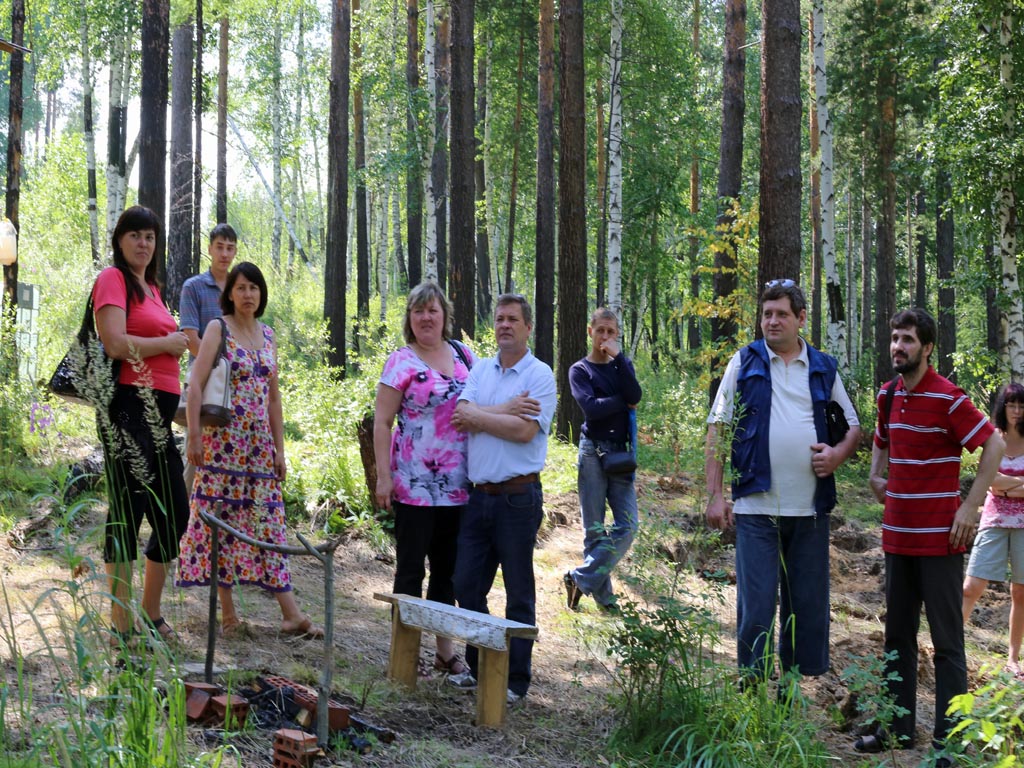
(566,718)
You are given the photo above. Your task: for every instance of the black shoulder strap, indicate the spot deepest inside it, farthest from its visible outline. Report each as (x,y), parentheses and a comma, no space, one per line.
(461,353)
(890,390)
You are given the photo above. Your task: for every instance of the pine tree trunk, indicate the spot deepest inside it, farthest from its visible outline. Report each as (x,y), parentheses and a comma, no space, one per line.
(572,215)
(12,198)
(362,232)
(724,327)
(693,321)
(153,118)
(516,129)
(601,268)
(615,164)
(462,283)
(885,262)
(815,145)
(544,270)
(780,183)
(335,268)
(483,256)
(179,229)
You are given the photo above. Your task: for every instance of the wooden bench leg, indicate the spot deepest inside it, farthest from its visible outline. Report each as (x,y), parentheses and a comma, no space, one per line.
(492,684)
(405,652)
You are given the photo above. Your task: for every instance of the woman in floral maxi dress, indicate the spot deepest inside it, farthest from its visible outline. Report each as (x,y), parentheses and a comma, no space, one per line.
(241,466)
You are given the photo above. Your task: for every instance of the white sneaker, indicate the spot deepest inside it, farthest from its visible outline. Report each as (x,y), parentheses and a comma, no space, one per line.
(463,681)
(512,697)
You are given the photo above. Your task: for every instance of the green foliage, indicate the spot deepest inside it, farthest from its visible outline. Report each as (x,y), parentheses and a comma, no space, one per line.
(867,679)
(990,731)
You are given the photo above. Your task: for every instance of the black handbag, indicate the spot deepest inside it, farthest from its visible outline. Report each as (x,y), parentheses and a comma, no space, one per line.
(836,422)
(86,375)
(617,462)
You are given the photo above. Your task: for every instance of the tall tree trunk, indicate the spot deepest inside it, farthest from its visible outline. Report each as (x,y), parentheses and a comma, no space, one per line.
(544,283)
(866,326)
(276,129)
(724,326)
(601,268)
(440,159)
(298,188)
(483,256)
(836,331)
(851,330)
(430,61)
(490,201)
(362,232)
(572,215)
(921,241)
(414,169)
(393,192)
(14,156)
(780,185)
(197,165)
(462,285)
(1013,351)
(692,320)
(944,257)
(222,123)
(885,261)
(90,143)
(153,117)
(815,141)
(615,163)
(179,229)
(382,252)
(516,130)
(335,268)
(117,129)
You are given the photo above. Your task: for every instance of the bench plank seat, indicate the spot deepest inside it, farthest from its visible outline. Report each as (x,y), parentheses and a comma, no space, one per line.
(490,634)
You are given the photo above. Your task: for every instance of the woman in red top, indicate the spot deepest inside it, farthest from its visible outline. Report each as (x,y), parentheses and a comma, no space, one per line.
(142,465)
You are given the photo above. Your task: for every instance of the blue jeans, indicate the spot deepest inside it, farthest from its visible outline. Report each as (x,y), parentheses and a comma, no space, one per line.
(603,547)
(782,561)
(501,530)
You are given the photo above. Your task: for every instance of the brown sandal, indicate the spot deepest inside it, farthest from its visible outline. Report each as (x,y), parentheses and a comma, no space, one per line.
(453,666)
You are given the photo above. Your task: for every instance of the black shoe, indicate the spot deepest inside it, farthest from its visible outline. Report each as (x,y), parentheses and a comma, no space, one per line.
(572,592)
(609,609)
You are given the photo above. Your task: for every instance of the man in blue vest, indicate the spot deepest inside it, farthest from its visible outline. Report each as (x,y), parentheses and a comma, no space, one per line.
(771,410)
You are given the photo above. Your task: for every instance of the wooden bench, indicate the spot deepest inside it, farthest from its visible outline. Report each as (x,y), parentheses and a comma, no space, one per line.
(489,634)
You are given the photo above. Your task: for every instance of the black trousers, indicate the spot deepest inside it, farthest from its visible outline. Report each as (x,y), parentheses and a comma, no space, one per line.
(937,582)
(144,475)
(426,533)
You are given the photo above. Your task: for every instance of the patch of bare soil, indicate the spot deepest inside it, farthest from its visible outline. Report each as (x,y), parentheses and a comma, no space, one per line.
(565,720)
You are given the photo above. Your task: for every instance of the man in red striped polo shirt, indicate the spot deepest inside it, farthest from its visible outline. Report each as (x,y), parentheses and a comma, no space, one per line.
(924,424)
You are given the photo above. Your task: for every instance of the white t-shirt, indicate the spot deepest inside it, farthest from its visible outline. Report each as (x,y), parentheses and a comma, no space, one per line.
(790,436)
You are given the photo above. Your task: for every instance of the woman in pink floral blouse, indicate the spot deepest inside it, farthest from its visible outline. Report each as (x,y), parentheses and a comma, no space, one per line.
(421,465)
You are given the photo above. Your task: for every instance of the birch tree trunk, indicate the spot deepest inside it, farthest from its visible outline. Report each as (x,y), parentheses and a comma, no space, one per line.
(615,165)
(483,254)
(222,123)
(1013,314)
(835,330)
(692,321)
(601,268)
(413,181)
(430,244)
(117,128)
(275,128)
(197,162)
(14,157)
(382,251)
(362,231)
(90,143)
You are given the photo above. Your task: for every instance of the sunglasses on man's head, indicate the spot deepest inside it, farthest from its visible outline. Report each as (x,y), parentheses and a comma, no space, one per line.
(781,283)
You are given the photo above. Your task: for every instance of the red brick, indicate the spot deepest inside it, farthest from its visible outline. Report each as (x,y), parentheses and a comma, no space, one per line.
(236,705)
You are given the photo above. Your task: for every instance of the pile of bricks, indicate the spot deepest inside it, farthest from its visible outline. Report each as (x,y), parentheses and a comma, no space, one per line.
(308,701)
(294,748)
(207,704)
